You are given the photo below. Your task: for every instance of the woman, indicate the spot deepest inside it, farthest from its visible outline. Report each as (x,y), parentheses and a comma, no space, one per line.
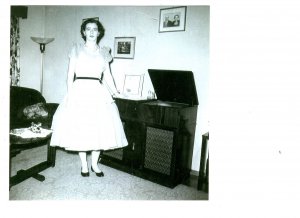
(176,21)
(88,119)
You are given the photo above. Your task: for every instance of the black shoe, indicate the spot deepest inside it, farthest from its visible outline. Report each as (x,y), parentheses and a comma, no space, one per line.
(85,174)
(101,174)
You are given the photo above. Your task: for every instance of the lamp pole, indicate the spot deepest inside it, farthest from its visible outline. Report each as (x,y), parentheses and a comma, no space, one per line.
(42,42)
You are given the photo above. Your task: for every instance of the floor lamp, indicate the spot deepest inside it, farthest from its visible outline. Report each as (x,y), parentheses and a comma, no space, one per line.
(42,42)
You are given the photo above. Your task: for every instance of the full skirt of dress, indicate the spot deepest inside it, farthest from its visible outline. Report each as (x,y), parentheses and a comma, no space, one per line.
(88,119)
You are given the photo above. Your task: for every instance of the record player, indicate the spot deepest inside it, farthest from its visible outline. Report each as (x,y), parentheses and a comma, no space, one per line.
(160,131)
(170,123)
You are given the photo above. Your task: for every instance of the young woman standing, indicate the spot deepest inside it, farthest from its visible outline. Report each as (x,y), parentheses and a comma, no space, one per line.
(88,118)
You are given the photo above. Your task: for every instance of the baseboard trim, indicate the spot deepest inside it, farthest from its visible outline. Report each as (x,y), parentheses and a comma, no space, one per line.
(194,173)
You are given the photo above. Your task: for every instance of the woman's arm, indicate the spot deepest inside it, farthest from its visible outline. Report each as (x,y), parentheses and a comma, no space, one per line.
(71,73)
(71,67)
(108,81)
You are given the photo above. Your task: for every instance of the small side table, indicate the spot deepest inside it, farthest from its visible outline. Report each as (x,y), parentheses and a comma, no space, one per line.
(19,143)
(203,179)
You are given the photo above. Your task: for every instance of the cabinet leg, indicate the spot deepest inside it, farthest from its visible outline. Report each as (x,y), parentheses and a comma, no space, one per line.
(51,154)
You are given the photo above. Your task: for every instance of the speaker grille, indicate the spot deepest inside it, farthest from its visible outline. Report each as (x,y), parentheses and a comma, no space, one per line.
(158,151)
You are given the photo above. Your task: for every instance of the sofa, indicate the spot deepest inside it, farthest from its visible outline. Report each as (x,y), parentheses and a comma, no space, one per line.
(28,106)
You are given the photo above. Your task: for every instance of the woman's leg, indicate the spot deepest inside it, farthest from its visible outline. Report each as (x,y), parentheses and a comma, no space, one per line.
(84,165)
(95,158)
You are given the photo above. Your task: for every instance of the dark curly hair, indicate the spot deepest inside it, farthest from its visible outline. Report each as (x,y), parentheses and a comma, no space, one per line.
(99,25)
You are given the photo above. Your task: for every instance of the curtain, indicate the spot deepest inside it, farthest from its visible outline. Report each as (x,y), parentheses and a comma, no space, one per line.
(14,51)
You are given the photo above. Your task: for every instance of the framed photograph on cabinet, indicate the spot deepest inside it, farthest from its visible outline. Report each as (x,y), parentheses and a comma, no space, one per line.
(133,85)
(172,19)
(124,47)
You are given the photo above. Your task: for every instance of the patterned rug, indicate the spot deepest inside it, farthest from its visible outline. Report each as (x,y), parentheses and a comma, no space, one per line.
(64,182)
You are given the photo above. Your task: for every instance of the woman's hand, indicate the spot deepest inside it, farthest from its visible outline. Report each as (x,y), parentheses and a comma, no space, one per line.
(118,95)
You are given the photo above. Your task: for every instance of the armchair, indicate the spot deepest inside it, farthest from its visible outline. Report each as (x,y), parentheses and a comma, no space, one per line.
(22,97)
(22,101)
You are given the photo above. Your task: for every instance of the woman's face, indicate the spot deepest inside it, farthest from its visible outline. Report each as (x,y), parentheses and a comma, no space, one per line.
(91,32)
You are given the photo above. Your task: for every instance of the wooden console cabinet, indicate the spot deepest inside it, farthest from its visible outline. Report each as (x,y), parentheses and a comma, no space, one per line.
(160,132)
(128,159)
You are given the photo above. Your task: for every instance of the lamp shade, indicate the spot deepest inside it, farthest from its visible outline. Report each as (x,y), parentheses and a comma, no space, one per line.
(42,40)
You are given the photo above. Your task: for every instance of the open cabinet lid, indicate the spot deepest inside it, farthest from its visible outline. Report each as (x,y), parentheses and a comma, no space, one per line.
(174,86)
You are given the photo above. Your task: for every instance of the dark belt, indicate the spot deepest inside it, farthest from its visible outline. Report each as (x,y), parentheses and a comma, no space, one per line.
(92,78)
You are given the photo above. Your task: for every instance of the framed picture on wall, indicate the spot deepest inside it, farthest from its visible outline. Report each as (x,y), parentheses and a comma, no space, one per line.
(124,47)
(172,19)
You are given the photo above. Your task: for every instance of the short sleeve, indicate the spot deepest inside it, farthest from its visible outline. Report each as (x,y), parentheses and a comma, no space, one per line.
(74,51)
(105,51)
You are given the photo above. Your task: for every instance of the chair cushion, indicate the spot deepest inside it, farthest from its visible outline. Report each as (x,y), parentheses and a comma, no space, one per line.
(35,111)
(21,97)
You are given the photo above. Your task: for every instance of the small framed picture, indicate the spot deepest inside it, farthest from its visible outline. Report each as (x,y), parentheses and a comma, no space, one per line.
(172,19)
(124,47)
(133,85)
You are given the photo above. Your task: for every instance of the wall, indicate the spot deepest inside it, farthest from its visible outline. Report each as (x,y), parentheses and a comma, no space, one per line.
(185,50)
(30,55)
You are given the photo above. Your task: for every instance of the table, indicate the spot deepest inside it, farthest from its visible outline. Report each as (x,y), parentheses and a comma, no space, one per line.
(203,179)
(21,139)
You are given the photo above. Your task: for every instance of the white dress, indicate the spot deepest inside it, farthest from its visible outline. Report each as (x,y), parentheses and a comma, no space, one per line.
(88,118)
